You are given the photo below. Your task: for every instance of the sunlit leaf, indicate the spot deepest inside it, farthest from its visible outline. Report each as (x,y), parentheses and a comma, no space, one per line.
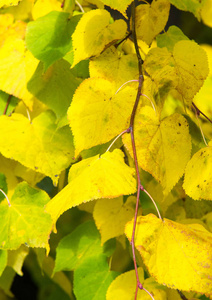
(163,147)
(105,176)
(38,144)
(96,113)
(18,220)
(123,287)
(111,215)
(153,17)
(117,4)
(176,255)
(198,176)
(8,2)
(94,32)
(43,7)
(125,67)
(206,12)
(185,68)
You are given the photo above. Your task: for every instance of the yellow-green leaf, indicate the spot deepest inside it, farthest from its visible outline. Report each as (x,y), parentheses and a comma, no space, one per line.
(125,67)
(105,176)
(38,144)
(123,287)
(96,113)
(118,5)
(153,17)
(176,255)
(185,68)
(8,2)
(93,33)
(111,215)
(24,221)
(194,6)
(198,175)
(163,147)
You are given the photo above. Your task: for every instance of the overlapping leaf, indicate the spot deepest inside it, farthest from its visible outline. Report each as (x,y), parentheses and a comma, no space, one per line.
(150,19)
(17,64)
(49,37)
(194,6)
(186,68)
(123,287)
(93,33)
(8,2)
(176,255)
(24,222)
(105,176)
(43,7)
(198,176)
(125,67)
(96,113)
(206,13)
(170,38)
(111,215)
(119,5)
(37,144)
(55,87)
(163,147)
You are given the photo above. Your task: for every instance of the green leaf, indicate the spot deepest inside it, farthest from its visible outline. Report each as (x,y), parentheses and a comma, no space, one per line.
(92,278)
(3,260)
(55,87)
(25,220)
(105,176)
(193,6)
(4,99)
(170,38)
(38,144)
(49,37)
(83,243)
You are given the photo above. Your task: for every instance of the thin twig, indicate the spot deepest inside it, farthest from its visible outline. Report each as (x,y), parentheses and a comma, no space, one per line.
(200,112)
(118,136)
(153,201)
(7,104)
(80,6)
(125,38)
(182,296)
(200,127)
(132,80)
(5,195)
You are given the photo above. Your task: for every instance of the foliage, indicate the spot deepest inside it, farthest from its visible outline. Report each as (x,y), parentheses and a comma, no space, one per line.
(105,148)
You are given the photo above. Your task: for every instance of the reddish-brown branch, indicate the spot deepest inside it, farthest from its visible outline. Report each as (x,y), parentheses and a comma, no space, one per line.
(7,104)
(200,112)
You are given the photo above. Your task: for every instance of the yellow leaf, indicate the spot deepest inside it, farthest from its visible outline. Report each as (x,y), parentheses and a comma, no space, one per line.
(96,113)
(185,68)
(38,144)
(198,175)
(93,33)
(123,287)
(125,67)
(105,176)
(22,11)
(151,17)
(206,13)
(175,254)
(8,2)
(43,7)
(16,258)
(111,215)
(17,64)
(120,5)
(163,147)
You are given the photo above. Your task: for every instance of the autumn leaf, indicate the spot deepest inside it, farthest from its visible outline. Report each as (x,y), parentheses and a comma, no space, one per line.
(163,147)
(105,176)
(96,113)
(153,17)
(176,255)
(18,220)
(117,4)
(93,33)
(38,144)
(198,176)
(194,6)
